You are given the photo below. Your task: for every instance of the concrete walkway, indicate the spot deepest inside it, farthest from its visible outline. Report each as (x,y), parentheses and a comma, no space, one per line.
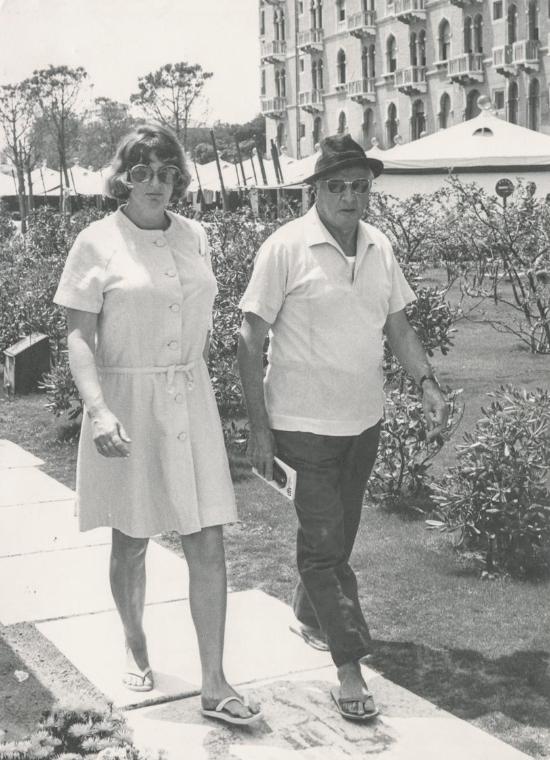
(58,582)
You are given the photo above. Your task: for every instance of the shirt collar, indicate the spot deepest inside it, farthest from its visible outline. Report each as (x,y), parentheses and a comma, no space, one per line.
(318,234)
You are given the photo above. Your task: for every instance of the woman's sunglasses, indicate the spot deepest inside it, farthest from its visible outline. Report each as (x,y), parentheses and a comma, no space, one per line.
(141,173)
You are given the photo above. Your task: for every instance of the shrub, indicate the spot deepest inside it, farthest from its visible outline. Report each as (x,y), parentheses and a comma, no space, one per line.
(400,475)
(73,734)
(497,497)
(7,227)
(61,391)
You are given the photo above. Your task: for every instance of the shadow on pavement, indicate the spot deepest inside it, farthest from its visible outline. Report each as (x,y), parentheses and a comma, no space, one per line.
(469,685)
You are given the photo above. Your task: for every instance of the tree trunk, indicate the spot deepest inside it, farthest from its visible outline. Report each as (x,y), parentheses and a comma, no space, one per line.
(30,194)
(21,196)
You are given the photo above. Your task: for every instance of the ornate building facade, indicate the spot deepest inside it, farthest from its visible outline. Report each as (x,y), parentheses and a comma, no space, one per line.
(393,70)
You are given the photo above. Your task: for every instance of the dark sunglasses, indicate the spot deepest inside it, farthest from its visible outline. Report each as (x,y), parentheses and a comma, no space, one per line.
(338,186)
(141,173)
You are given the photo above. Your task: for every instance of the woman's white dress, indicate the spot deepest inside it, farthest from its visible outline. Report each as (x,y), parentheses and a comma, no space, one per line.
(153,291)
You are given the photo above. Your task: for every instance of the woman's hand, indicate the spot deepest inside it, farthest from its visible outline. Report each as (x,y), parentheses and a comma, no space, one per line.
(109,436)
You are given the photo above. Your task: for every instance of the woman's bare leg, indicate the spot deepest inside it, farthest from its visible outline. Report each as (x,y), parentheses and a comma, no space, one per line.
(205,556)
(127,574)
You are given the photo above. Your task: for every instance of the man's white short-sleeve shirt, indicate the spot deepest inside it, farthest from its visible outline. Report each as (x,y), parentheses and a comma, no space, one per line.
(326,339)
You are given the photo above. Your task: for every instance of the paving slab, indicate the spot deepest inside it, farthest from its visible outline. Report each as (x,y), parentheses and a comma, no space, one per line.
(301,723)
(28,485)
(45,526)
(69,582)
(258,645)
(12,455)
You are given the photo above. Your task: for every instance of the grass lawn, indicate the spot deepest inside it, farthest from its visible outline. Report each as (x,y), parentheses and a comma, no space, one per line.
(479,649)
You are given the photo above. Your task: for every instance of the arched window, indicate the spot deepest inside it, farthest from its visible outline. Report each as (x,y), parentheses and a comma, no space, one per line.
(320,74)
(372,60)
(368,126)
(282,80)
(263,81)
(341,66)
(468,34)
(472,108)
(533,104)
(391,125)
(512,25)
(478,33)
(365,63)
(314,77)
(262,22)
(422,47)
(512,109)
(317,130)
(342,123)
(280,134)
(444,110)
(532,21)
(278,83)
(413,53)
(418,120)
(340,10)
(444,40)
(391,54)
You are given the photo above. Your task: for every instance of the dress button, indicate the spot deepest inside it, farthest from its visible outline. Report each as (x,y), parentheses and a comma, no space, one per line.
(178,398)
(182,436)
(175,307)
(170,273)
(173,345)
(160,243)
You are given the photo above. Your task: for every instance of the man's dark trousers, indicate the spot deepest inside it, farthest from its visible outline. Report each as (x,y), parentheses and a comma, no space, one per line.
(332,476)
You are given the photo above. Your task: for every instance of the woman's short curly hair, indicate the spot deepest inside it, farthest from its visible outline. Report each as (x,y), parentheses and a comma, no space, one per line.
(137,147)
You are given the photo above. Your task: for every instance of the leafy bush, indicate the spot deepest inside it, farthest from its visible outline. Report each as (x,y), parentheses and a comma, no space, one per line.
(61,391)
(72,735)
(7,227)
(400,474)
(497,497)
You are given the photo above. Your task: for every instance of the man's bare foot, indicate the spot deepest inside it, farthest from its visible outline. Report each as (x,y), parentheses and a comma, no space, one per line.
(354,696)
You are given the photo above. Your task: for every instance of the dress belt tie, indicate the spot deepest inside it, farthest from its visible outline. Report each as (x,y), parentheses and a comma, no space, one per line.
(169,371)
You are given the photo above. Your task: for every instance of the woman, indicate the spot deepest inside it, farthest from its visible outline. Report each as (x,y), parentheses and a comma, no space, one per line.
(139,290)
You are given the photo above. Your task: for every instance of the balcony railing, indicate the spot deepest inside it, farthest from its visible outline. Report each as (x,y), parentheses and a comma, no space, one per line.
(274,107)
(362,24)
(525,54)
(361,90)
(466,68)
(310,40)
(411,80)
(312,100)
(275,2)
(409,10)
(274,51)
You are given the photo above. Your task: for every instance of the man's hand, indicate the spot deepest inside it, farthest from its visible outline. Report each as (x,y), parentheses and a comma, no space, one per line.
(261,450)
(436,409)
(109,436)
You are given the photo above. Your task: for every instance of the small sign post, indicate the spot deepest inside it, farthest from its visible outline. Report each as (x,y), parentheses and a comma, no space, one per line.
(503,188)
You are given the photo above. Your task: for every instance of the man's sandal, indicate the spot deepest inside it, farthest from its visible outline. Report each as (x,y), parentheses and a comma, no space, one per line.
(221,713)
(146,679)
(368,704)
(311,636)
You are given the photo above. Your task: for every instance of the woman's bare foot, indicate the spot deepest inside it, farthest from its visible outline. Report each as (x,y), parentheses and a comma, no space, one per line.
(138,675)
(213,694)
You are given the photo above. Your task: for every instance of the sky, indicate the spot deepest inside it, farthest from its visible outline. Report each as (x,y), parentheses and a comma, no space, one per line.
(117,41)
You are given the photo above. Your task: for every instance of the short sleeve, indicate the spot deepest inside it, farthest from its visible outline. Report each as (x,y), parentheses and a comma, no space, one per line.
(83,278)
(401,292)
(266,290)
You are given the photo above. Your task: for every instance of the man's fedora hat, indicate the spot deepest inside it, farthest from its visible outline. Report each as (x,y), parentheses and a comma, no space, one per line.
(340,152)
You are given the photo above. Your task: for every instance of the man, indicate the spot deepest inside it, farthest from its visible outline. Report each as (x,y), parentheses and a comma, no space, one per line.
(326,287)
